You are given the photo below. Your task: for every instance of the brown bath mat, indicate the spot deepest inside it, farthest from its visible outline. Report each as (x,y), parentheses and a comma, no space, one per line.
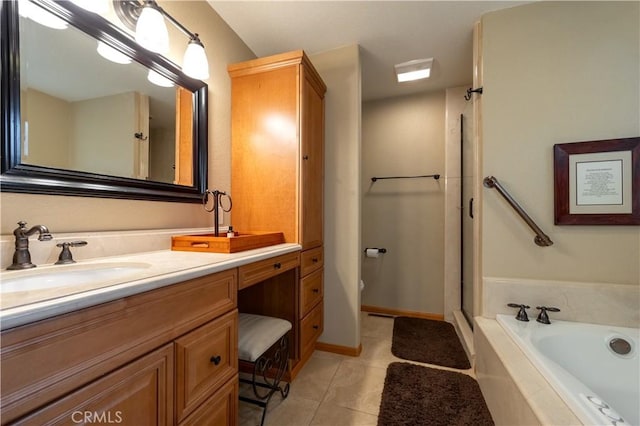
(428,341)
(416,395)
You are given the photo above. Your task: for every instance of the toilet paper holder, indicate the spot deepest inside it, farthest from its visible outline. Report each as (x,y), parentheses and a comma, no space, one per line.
(380,250)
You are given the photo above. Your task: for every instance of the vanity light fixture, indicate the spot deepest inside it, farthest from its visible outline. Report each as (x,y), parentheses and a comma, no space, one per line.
(34,12)
(147,19)
(413,70)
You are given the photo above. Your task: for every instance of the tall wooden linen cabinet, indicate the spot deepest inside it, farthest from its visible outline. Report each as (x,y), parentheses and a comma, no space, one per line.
(277,171)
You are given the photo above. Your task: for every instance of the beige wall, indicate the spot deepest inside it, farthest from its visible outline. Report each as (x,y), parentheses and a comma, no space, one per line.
(404,136)
(49,136)
(556,72)
(105,146)
(71,214)
(340,70)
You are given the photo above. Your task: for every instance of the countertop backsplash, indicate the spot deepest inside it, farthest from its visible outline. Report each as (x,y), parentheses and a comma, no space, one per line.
(100,244)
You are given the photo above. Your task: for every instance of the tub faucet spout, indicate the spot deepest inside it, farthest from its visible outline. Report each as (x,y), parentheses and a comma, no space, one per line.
(21,256)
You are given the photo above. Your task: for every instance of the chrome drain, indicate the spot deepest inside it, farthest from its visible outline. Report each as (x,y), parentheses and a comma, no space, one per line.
(620,346)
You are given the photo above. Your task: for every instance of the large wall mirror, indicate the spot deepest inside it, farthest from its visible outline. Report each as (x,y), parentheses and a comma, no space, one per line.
(75,123)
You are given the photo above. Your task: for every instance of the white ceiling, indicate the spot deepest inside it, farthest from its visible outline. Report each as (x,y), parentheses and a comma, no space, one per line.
(388,32)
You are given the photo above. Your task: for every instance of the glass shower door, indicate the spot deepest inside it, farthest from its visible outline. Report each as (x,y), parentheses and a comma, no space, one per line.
(466,199)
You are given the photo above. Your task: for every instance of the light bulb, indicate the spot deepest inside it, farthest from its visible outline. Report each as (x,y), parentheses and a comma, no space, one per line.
(159,80)
(151,30)
(40,15)
(194,63)
(413,75)
(112,54)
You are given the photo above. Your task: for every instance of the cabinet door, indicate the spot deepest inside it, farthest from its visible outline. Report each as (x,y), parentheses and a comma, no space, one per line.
(219,410)
(256,272)
(138,394)
(312,151)
(311,291)
(205,358)
(311,260)
(264,152)
(311,328)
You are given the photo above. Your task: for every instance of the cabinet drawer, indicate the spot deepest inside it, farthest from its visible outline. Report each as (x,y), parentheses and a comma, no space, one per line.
(66,352)
(219,410)
(311,260)
(260,271)
(311,291)
(205,358)
(311,328)
(140,393)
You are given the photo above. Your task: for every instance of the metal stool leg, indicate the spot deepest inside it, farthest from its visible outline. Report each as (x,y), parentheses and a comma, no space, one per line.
(278,360)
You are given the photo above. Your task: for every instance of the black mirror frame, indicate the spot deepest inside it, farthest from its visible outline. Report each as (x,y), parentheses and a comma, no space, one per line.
(24,178)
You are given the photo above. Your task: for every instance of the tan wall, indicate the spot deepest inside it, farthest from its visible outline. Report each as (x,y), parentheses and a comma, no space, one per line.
(49,135)
(340,70)
(71,214)
(105,146)
(404,136)
(556,72)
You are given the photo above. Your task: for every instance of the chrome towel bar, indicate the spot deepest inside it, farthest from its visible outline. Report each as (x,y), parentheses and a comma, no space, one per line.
(541,238)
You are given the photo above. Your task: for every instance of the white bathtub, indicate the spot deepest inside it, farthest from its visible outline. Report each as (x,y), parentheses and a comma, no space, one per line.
(600,386)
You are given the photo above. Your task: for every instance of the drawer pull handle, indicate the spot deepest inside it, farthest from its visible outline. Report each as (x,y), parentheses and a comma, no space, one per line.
(216,359)
(315,327)
(315,260)
(277,265)
(305,157)
(316,290)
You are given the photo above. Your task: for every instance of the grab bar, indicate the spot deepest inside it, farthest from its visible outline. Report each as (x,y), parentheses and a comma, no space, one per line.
(436,177)
(541,238)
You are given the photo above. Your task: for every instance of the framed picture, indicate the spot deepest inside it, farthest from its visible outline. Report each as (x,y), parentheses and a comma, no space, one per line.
(597,182)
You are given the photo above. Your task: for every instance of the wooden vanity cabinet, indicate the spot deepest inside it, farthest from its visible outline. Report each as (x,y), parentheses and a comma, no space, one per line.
(140,393)
(277,146)
(158,357)
(277,161)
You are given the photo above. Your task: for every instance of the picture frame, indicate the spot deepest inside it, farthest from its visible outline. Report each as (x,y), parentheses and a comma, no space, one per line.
(597,182)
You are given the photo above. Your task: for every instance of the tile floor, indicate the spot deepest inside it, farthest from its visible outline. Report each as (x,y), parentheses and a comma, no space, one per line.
(336,390)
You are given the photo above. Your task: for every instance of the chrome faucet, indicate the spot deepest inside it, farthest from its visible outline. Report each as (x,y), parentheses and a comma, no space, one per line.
(22,257)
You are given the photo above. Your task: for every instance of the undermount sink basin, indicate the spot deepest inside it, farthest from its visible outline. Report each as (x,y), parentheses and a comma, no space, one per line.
(70,276)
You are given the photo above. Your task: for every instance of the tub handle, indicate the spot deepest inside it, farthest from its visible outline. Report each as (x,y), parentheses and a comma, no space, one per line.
(542,316)
(522,313)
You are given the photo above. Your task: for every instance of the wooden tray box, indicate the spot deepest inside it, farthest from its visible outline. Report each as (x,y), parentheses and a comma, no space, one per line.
(223,244)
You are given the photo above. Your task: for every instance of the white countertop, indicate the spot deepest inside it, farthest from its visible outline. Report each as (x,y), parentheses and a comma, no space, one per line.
(162,268)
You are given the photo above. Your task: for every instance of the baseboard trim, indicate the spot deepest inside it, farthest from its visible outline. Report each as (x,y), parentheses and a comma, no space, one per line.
(397,312)
(338,349)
